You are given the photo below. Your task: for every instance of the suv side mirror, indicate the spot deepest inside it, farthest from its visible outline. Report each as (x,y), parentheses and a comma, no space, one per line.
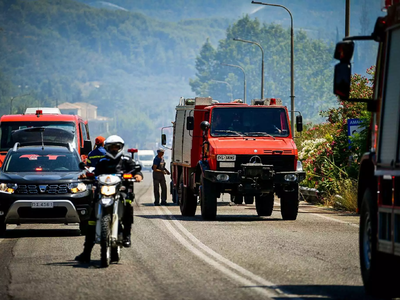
(190,123)
(299,123)
(87,147)
(163,139)
(82,165)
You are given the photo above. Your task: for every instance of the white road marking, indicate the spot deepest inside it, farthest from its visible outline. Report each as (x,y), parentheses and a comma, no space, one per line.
(324,217)
(336,220)
(221,262)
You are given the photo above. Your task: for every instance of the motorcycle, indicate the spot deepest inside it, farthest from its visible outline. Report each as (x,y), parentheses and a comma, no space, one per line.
(109,212)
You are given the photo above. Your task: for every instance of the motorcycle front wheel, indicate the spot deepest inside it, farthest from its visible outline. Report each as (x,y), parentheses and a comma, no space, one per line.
(105,241)
(116,254)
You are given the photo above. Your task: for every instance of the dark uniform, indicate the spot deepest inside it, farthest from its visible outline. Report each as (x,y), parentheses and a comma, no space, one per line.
(95,155)
(123,164)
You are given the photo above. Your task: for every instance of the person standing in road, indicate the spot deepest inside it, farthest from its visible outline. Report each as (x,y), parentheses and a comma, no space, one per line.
(159,172)
(97,153)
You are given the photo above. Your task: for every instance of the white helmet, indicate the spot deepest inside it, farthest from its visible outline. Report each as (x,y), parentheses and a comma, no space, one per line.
(114,140)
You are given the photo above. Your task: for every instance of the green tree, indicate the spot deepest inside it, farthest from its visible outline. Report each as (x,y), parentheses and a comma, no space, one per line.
(313,70)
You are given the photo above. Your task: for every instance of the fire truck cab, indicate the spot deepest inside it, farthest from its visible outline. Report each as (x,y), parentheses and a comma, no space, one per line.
(44,117)
(244,150)
(379,174)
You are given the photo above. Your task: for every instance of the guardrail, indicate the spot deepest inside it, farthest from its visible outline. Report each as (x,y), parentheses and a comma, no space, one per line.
(310,194)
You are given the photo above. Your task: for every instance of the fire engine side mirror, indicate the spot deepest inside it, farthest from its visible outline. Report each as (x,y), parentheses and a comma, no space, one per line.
(341,80)
(344,51)
(163,139)
(87,147)
(204,126)
(299,123)
(190,123)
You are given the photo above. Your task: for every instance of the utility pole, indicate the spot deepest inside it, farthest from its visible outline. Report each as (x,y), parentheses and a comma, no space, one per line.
(347,19)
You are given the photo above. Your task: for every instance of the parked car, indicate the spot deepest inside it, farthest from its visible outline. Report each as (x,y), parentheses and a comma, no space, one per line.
(41,184)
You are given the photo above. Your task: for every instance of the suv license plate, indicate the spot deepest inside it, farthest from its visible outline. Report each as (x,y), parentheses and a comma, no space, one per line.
(42,205)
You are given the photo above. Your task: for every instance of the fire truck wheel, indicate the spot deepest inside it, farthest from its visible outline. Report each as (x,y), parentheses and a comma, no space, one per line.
(187,201)
(174,192)
(208,199)
(237,199)
(265,204)
(290,204)
(249,199)
(376,269)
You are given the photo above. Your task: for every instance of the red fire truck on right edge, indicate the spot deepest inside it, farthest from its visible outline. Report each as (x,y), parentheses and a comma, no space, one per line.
(379,175)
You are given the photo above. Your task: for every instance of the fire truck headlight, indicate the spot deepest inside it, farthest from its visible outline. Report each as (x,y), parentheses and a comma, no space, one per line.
(290,177)
(222,177)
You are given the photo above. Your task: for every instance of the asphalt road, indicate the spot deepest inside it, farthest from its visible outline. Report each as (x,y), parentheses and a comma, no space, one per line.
(238,256)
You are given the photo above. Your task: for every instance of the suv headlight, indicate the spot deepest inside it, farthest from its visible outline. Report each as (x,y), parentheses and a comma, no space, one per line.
(77,187)
(108,190)
(8,188)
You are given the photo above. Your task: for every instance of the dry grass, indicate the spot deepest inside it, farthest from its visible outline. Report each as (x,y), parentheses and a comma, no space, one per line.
(345,197)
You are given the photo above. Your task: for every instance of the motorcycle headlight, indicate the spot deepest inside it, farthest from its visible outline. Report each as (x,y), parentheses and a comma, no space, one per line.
(77,187)
(8,188)
(106,201)
(108,190)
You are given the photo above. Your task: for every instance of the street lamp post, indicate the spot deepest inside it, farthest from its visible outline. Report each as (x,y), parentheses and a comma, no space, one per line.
(244,78)
(13,98)
(262,62)
(227,83)
(291,58)
(347,19)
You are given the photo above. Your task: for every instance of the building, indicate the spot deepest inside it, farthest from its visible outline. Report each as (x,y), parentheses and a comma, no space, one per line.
(98,125)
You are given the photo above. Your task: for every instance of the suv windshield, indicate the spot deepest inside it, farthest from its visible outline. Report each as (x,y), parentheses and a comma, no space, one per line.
(6,128)
(37,161)
(249,121)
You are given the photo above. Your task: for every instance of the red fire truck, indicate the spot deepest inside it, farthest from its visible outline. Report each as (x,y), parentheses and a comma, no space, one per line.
(44,117)
(379,175)
(243,150)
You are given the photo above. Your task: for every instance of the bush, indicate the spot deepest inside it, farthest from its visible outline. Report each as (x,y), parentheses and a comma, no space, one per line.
(330,157)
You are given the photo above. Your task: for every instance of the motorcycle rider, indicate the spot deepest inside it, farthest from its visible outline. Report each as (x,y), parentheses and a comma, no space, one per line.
(113,162)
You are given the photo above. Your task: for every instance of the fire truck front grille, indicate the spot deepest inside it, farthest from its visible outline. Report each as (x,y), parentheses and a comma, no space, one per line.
(280,162)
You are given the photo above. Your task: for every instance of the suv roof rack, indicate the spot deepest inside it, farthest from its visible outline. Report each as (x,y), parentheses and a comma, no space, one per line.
(18,145)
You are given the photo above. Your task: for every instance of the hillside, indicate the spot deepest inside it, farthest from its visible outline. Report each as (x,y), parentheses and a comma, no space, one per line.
(133,59)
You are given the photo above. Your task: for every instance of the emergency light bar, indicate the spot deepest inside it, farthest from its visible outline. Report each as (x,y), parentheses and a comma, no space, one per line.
(267,101)
(387,3)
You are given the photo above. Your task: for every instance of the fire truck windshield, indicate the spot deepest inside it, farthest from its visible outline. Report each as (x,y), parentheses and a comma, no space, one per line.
(249,121)
(6,128)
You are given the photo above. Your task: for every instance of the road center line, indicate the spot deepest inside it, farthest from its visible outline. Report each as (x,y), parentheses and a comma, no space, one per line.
(211,261)
(239,277)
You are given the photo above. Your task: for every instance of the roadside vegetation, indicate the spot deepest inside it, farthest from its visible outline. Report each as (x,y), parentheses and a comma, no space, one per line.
(330,157)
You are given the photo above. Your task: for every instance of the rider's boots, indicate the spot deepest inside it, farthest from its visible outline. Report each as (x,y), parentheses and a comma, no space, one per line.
(126,242)
(84,257)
